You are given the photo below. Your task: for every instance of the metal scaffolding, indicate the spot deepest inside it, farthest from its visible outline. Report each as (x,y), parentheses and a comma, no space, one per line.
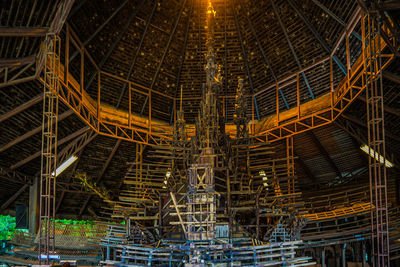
(49,148)
(371,31)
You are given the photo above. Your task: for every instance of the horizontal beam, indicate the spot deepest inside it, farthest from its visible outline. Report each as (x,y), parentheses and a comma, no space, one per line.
(22,107)
(16,62)
(386,108)
(364,124)
(391,77)
(38,153)
(23,31)
(13,197)
(32,132)
(325,153)
(390,5)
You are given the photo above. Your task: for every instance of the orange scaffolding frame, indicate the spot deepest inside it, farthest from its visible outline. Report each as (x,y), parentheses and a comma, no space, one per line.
(144,129)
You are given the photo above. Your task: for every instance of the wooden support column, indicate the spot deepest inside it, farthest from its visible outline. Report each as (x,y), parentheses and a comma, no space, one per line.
(258,214)
(364,252)
(160,223)
(13,197)
(344,255)
(34,206)
(229,204)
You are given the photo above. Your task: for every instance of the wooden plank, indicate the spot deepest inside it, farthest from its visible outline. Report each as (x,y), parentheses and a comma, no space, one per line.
(23,31)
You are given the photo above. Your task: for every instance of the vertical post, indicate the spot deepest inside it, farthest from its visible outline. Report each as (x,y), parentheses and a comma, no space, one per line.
(332,89)
(298,95)
(258,214)
(252,118)
(160,224)
(323,257)
(130,105)
(364,252)
(376,140)
(82,51)
(348,57)
(228,193)
(344,251)
(149,112)
(66,64)
(49,148)
(277,104)
(290,165)
(98,96)
(33,207)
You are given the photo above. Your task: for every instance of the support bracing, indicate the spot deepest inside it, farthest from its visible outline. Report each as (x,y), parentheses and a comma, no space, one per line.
(371,31)
(49,148)
(290,166)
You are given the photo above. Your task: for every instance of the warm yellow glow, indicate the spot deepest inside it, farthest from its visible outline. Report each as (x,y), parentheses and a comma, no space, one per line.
(376,155)
(210,8)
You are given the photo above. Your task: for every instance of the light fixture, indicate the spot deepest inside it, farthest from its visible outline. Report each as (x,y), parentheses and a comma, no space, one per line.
(265,184)
(168,174)
(376,155)
(65,165)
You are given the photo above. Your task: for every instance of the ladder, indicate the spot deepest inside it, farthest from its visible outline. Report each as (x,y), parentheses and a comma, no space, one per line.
(371,31)
(49,148)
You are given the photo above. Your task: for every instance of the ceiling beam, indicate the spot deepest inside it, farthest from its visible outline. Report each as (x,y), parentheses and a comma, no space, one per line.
(391,77)
(22,107)
(291,47)
(16,62)
(38,153)
(32,132)
(387,109)
(101,174)
(137,52)
(99,29)
(246,63)
(76,8)
(390,5)
(23,31)
(116,41)
(78,150)
(178,78)
(339,20)
(266,60)
(304,166)
(359,138)
(13,197)
(75,146)
(61,16)
(364,124)
(164,54)
(15,176)
(317,36)
(325,153)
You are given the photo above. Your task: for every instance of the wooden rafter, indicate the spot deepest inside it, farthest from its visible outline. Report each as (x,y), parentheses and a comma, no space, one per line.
(325,153)
(32,132)
(23,31)
(38,153)
(101,174)
(26,105)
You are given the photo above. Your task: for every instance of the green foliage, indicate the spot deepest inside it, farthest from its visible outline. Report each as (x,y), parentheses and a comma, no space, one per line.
(7,227)
(74,222)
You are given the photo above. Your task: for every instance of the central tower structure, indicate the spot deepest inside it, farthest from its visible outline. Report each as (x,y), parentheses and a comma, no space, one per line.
(201,204)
